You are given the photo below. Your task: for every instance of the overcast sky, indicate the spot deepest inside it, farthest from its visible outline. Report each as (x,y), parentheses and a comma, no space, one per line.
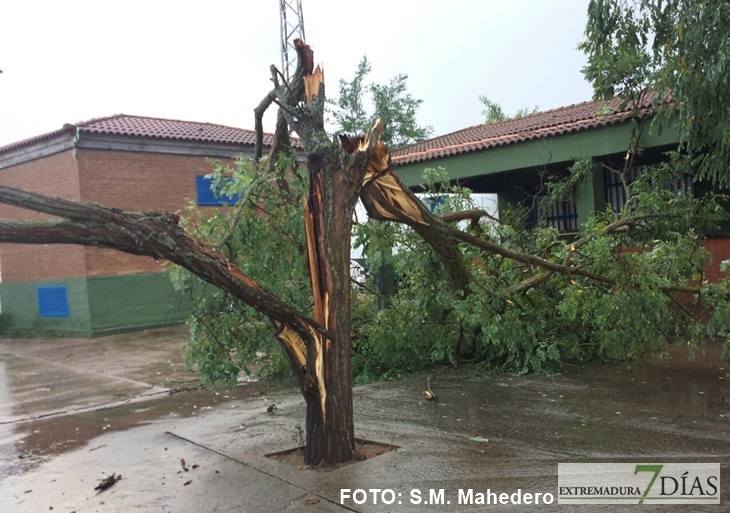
(66,61)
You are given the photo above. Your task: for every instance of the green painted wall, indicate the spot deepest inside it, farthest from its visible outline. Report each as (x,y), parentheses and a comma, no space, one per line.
(590,196)
(20,309)
(97,306)
(537,153)
(134,301)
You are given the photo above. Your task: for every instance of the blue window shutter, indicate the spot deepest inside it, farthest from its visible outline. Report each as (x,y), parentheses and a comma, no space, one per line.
(53,301)
(435,201)
(207,197)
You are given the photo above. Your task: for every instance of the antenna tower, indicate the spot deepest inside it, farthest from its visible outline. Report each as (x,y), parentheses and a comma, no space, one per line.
(292,27)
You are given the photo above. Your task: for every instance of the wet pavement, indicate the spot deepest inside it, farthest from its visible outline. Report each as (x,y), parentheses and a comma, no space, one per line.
(73,411)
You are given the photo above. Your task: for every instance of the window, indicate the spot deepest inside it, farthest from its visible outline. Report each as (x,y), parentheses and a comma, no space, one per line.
(53,301)
(616,194)
(207,197)
(561,215)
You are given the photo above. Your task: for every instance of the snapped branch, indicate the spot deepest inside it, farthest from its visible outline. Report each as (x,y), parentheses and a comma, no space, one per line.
(150,234)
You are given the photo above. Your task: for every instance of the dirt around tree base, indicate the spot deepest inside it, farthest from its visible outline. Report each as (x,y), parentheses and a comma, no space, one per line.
(364,450)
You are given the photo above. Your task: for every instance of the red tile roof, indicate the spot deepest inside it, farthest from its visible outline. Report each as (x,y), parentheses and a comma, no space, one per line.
(157,128)
(564,120)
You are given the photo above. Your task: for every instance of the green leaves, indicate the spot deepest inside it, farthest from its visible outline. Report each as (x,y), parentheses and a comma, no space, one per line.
(560,317)
(391,103)
(680,50)
(494,113)
(264,236)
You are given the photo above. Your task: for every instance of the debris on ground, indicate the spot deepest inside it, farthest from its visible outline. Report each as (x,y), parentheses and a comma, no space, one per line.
(108,482)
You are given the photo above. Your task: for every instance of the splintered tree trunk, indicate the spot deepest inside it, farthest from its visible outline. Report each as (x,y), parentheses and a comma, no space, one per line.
(338,173)
(335,179)
(328,218)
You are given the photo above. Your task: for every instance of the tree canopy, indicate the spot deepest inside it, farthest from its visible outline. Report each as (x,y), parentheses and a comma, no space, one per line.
(360,103)
(679,50)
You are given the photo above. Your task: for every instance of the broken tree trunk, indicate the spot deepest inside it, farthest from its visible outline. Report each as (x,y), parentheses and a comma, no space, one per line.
(387,199)
(334,185)
(335,182)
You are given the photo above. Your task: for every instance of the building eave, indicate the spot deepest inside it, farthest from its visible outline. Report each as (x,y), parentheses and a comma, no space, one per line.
(537,153)
(107,142)
(64,141)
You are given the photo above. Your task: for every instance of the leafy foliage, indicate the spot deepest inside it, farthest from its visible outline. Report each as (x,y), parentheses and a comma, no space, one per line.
(391,103)
(516,316)
(509,321)
(537,327)
(264,236)
(493,111)
(680,50)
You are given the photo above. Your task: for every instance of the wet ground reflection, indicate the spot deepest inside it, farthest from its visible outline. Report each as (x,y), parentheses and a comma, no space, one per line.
(668,408)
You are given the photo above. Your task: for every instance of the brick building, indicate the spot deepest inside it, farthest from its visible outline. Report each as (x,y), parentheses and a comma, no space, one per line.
(509,158)
(134,163)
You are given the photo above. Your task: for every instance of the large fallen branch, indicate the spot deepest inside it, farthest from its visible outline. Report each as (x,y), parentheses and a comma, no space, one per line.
(158,236)
(386,198)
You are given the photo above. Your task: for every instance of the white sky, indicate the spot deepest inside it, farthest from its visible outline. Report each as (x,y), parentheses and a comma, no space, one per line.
(66,61)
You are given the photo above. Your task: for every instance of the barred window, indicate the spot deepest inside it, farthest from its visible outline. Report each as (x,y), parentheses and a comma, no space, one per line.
(561,215)
(615,191)
(615,194)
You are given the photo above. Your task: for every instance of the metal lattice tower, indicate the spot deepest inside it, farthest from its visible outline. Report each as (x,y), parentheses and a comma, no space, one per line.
(292,27)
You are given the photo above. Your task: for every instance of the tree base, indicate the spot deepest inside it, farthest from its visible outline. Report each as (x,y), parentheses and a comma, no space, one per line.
(364,450)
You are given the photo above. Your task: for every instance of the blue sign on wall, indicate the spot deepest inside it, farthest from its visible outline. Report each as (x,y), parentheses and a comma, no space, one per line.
(207,196)
(53,301)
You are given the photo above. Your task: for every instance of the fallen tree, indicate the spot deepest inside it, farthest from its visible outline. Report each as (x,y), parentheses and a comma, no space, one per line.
(318,345)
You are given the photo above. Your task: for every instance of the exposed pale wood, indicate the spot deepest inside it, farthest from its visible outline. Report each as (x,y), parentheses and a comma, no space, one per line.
(386,198)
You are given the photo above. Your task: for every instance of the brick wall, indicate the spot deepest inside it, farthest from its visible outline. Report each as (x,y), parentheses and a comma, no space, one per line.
(55,175)
(720,249)
(139,182)
(129,180)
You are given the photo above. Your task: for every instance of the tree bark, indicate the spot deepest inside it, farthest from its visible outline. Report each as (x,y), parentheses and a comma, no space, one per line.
(334,184)
(328,221)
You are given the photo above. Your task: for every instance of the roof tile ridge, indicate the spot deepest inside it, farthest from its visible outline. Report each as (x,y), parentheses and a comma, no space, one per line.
(543,112)
(92,121)
(88,122)
(504,122)
(534,133)
(402,148)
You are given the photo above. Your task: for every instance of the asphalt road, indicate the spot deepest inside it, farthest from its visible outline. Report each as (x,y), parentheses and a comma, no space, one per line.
(74,411)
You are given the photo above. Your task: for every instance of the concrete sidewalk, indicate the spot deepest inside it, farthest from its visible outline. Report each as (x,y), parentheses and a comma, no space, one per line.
(500,434)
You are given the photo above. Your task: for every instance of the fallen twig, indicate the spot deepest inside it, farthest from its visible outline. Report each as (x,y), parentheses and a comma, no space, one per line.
(108,482)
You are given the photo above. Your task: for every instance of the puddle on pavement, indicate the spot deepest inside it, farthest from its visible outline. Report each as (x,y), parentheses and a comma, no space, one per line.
(671,405)
(24,445)
(10,461)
